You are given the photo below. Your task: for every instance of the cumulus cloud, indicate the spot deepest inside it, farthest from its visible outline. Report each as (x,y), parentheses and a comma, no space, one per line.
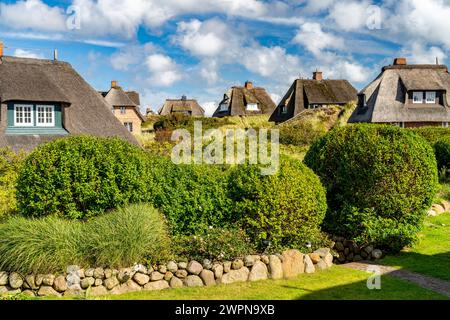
(313,38)
(209,107)
(350,15)
(21,53)
(419,53)
(163,69)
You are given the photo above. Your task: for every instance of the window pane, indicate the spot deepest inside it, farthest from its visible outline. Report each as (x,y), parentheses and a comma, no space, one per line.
(418,97)
(431,97)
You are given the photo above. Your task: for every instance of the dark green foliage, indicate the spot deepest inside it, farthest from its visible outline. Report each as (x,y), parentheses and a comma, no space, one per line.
(385,172)
(286,208)
(193,197)
(215,244)
(10,164)
(442,152)
(80,177)
(302,133)
(117,239)
(432,134)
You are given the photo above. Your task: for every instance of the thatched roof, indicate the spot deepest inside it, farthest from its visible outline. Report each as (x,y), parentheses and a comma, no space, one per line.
(118,98)
(237,99)
(387,101)
(186,106)
(35,80)
(308,91)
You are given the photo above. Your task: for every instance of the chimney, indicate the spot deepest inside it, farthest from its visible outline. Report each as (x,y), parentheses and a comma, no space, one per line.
(1,49)
(317,75)
(248,85)
(55,55)
(114,84)
(183,97)
(399,61)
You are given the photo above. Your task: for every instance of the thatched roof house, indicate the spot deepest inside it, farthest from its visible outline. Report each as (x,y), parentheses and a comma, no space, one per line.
(313,93)
(185,106)
(245,101)
(42,100)
(125,106)
(406,95)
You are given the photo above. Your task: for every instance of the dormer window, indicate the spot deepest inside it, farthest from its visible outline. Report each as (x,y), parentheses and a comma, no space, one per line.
(23,115)
(431,97)
(223,107)
(417,97)
(45,116)
(284,109)
(252,107)
(123,110)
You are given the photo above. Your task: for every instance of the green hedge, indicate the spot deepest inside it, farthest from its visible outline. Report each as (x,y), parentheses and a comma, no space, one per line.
(121,238)
(442,152)
(286,208)
(10,164)
(82,176)
(432,134)
(389,171)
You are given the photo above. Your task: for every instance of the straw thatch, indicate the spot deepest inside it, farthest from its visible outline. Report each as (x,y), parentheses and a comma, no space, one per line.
(387,98)
(35,80)
(306,92)
(116,97)
(186,106)
(237,99)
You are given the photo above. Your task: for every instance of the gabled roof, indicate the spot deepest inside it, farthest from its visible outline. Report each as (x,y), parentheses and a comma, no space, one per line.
(237,99)
(310,91)
(182,105)
(118,98)
(36,80)
(386,96)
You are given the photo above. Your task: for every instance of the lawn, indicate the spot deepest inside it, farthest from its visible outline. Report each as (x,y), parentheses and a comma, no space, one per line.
(336,283)
(431,255)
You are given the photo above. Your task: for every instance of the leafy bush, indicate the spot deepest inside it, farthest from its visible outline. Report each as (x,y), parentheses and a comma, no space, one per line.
(80,177)
(432,134)
(302,133)
(193,197)
(390,171)
(442,152)
(215,244)
(10,164)
(117,239)
(128,235)
(286,208)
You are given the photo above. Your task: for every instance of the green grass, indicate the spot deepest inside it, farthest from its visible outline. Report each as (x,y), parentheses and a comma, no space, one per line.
(431,255)
(337,283)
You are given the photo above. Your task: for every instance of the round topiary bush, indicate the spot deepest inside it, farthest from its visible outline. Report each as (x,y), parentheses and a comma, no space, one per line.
(81,176)
(379,179)
(286,208)
(442,152)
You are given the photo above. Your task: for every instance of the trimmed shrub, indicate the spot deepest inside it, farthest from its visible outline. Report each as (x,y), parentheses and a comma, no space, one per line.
(432,134)
(82,176)
(390,171)
(117,239)
(442,152)
(302,133)
(215,244)
(10,164)
(193,197)
(126,236)
(286,208)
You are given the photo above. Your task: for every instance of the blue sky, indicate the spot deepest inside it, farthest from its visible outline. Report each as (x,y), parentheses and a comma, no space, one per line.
(200,48)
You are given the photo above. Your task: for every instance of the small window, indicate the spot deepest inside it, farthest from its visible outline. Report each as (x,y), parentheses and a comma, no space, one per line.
(45,116)
(431,97)
(129,126)
(252,107)
(123,110)
(284,109)
(23,115)
(223,107)
(417,97)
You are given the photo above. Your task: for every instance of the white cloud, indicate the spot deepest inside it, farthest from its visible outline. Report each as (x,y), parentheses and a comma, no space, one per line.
(163,69)
(21,53)
(419,53)
(131,55)
(209,107)
(350,15)
(32,14)
(313,38)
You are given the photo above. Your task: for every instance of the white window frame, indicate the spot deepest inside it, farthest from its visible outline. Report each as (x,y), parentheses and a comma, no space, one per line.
(45,124)
(414,96)
(252,107)
(430,101)
(123,110)
(23,124)
(129,126)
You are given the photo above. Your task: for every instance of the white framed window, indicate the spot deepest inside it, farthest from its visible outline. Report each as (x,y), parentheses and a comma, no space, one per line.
(123,110)
(252,107)
(417,97)
(430,97)
(129,126)
(23,115)
(45,116)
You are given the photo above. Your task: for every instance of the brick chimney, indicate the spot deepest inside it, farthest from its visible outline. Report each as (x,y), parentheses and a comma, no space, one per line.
(1,49)
(399,61)
(248,85)
(317,75)
(114,84)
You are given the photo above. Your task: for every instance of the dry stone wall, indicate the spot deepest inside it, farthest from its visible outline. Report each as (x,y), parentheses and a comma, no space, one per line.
(103,281)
